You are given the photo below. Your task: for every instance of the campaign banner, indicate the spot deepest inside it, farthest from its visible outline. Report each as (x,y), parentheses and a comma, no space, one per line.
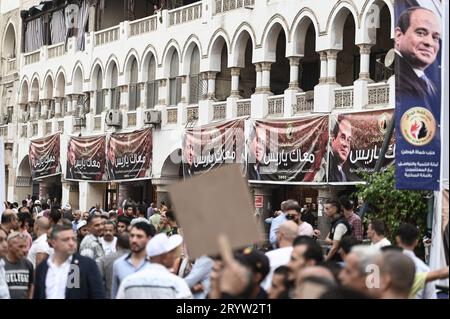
(356,140)
(211,146)
(418,94)
(129,155)
(288,151)
(86,158)
(44,156)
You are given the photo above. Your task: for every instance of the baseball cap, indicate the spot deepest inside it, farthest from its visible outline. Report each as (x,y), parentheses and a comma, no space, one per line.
(66,206)
(162,244)
(257,261)
(81,224)
(139,220)
(37,202)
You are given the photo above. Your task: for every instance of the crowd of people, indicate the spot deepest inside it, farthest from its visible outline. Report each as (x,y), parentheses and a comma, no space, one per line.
(51,251)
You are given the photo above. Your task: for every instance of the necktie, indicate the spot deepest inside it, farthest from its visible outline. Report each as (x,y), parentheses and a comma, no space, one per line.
(430,87)
(343,177)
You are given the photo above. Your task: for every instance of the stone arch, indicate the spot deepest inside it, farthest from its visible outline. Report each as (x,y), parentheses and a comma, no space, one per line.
(270,36)
(48,85)
(215,47)
(171,47)
(9,42)
(24,91)
(170,168)
(368,19)
(112,73)
(188,48)
(97,69)
(239,43)
(299,29)
(35,88)
(336,21)
(131,56)
(60,87)
(77,79)
(149,54)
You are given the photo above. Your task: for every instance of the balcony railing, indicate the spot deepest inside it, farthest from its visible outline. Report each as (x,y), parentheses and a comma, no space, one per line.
(32,57)
(11,65)
(56,50)
(97,123)
(142,26)
(192,113)
(276,105)
(378,94)
(219,111)
(172,116)
(131,118)
(343,97)
(228,5)
(106,36)
(185,14)
(304,102)
(244,107)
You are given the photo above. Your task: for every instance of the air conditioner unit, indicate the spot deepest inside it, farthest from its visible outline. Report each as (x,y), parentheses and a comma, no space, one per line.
(113,118)
(152,117)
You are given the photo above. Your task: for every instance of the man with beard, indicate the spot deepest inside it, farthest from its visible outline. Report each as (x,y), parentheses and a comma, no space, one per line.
(135,261)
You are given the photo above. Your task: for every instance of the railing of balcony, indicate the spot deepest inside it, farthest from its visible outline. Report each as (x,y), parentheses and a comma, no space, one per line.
(172,116)
(228,5)
(219,111)
(192,113)
(97,123)
(106,36)
(244,107)
(185,14)
(32,57)
(131,117)
(378,94)
(11,65)
(4,131)
(343,97)
(56,50)
(304,102)
(276,105)
(145,25)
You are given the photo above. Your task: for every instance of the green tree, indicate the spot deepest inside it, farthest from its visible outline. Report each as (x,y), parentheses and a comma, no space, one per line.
(392,206)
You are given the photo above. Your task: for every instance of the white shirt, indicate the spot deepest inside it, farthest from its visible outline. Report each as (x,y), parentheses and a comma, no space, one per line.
(382,243)
(109,246)
(154,282)
(339,232)
(429,292)
(305,229)
(56,279)
(40,245)
(278,257)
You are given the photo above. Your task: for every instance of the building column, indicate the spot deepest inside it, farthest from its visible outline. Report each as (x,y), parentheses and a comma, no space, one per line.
(32,110)
(265,67)
(162,96)
(123,97)
(258,71)
(58,106)
(184,89)
(235,73)
(143,95)
(211,76)
(364,69)
(294,63)
(22,110)
(92,101)
(323,67)
(44,109)
(92,16)
(331,67)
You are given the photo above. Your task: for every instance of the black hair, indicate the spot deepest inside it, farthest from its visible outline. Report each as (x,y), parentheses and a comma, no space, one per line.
(56,229)
(170,215)
(148,229)
(24,218)
(344,293)
(404,20)
(391,248)
(7,218)
(408,234)
(55,215)
(130,205)
(302,240)
(123,241)
(347,242)
(336,129)
(45,206)
(313,250)
(24,202)
(379,227)
(123,219)
(334,202)
(91,218)
(345,202)
(110,222)
(293,206)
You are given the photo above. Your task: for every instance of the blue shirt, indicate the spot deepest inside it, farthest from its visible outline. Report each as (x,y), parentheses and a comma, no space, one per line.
(200,274)
(122,268)
(276,222)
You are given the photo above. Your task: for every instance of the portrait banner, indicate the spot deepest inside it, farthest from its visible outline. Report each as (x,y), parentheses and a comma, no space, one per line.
(356,140)
(44,156)
(288,151)
(129,155)
(211,146)
(86,158)
(418,94)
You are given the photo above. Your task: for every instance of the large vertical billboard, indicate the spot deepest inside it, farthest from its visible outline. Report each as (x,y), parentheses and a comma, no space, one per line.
(86,158)
(44,156)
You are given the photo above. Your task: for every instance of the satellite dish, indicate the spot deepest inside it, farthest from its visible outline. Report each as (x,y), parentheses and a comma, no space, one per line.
(389,58)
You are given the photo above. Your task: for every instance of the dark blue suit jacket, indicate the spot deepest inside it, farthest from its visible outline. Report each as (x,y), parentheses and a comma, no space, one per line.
(90,283)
